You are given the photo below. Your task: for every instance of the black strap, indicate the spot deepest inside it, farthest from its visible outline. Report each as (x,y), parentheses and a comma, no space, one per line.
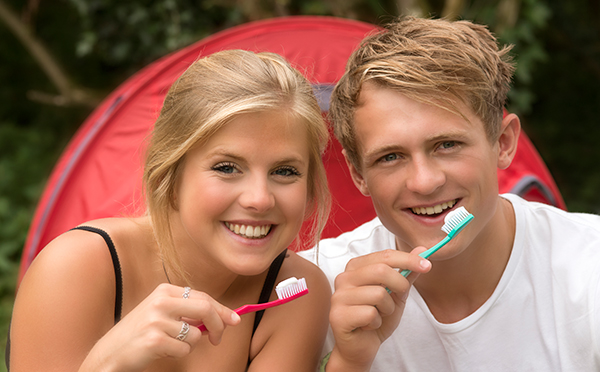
(267,288)
(116,265)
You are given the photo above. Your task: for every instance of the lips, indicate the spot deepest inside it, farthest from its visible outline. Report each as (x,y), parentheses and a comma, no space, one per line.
(436,209)
(247,231)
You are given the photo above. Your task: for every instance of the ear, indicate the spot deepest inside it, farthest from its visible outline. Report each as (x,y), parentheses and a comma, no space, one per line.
(357,177)
(507,142)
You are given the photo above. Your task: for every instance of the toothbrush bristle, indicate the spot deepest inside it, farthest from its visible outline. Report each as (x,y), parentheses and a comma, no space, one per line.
(454,218)
(290,287)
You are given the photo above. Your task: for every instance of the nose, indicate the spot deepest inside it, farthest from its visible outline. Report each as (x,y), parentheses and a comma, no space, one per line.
(257,195)
(425,176)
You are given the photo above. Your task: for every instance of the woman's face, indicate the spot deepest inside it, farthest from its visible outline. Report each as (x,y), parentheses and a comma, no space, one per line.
(242,195)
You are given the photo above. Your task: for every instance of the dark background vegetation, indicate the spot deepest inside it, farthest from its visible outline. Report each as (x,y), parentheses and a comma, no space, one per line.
(59,58)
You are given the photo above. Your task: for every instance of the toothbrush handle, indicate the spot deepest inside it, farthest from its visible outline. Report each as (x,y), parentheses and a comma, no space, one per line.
(265,305)
(429,252)
(258,307)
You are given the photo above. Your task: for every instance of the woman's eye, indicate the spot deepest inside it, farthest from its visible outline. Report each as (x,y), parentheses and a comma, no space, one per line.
(227,168)
(286,172)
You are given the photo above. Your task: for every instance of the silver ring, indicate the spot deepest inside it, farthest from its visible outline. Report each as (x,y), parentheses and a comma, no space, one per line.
(185,328)
(186,292)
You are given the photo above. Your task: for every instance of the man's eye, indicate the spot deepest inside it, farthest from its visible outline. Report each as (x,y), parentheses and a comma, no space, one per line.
(389,157)
(447,144)
(227,168)
(286,172)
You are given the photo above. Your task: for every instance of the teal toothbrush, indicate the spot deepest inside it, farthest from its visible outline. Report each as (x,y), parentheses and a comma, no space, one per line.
(454,222)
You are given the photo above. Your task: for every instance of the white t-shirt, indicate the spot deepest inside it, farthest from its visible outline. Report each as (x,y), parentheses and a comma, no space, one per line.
(543,316)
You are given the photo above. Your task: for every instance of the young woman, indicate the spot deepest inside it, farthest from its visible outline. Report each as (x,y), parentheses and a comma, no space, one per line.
(233,170)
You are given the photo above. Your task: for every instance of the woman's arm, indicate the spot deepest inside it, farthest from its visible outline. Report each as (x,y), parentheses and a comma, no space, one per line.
(63,318)
(290,337)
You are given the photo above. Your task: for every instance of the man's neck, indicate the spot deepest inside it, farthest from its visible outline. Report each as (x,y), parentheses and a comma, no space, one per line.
(457,287)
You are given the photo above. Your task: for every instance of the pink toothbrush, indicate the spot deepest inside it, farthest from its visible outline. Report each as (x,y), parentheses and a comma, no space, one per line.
(287,290)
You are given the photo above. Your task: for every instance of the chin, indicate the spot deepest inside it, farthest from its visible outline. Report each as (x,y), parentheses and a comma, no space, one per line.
(250,268)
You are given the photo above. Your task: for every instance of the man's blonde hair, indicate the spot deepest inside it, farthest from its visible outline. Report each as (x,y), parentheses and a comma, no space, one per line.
(212,92)
(429,60)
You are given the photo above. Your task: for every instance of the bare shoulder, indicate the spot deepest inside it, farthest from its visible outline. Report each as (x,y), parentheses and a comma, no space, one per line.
(76,254)
(65,302)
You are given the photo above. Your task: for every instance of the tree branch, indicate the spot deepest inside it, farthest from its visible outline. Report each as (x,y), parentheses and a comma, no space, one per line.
(68,93)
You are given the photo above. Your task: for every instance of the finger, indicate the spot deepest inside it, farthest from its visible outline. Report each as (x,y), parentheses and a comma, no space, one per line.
(424,266)
(192,336)
(164,343)
(349,318)
(198,303)
(375,296)
(391,258)
(205,312)
(375,274)
(175,348)
(211,322)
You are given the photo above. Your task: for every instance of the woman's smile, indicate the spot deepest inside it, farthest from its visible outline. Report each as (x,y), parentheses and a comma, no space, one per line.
(249,231)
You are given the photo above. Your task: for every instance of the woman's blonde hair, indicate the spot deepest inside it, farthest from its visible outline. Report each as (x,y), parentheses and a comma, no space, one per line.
(429,60)
(208,95)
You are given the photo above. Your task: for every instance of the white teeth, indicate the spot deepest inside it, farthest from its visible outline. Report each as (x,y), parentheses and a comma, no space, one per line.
(247,231)
(435,209)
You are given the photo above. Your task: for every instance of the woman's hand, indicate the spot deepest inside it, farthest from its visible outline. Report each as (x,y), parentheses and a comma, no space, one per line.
(149,332)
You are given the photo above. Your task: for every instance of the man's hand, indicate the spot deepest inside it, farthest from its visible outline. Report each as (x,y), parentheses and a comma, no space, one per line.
(363,312)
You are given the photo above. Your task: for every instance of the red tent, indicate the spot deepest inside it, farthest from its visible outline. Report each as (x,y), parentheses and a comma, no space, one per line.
(99,172)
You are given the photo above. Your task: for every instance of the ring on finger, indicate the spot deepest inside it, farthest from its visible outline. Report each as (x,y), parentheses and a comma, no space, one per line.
(186,292)
(185,328)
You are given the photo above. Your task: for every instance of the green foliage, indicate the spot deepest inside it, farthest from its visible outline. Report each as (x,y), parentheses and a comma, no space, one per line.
(24,160)
(141,31)
(523,32)
(564,117)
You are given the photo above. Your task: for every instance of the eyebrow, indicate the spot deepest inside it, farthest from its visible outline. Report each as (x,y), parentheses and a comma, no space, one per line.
(455,134)
(226,153)
(229,154)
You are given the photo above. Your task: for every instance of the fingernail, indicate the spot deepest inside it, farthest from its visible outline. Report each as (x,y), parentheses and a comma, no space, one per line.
(405,296)
(425,264)
(235,317)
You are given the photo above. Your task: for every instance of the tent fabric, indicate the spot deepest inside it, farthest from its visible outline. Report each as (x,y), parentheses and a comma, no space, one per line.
(99,173)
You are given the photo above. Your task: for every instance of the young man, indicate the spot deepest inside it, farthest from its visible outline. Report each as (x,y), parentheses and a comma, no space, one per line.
(419,113)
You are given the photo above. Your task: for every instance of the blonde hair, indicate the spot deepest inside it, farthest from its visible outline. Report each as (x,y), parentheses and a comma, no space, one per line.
(209,94)
(429,60)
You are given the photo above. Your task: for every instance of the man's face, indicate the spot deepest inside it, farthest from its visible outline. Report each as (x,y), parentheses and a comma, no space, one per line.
(418,162)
